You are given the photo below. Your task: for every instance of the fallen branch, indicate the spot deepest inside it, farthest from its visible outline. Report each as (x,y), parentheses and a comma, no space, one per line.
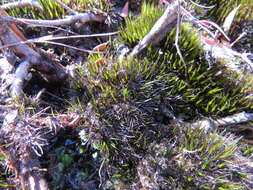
(47,39)
(33,57)
(165,23)
(80,17)
(238,118)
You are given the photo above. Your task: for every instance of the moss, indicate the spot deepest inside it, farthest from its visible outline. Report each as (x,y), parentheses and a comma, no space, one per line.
(223,7)
(137,28)
(193,157)
(133,101)
(53,10)
(4,174)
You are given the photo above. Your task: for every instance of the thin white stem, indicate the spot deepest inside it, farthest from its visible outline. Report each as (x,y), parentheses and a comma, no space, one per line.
(81,17)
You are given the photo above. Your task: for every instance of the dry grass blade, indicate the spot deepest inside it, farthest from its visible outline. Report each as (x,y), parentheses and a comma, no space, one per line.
(229,19)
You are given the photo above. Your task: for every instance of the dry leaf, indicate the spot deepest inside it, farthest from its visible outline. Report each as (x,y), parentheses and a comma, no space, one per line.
(100,62)
(101,47)
(229,19)
(125,10)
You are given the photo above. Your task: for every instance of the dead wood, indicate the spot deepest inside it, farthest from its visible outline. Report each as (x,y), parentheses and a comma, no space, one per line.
(32,59)
(80,17)
(165,23)
(210,124)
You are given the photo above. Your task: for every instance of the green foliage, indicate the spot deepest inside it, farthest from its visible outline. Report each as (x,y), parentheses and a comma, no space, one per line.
(197,84)
(159,79)
(127,95)
(224,7)
(203,155)
(53,10)
(136,29)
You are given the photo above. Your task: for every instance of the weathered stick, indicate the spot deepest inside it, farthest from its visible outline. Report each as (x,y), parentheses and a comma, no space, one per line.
(81,17)
(165,23)
(238,118)
(33,58)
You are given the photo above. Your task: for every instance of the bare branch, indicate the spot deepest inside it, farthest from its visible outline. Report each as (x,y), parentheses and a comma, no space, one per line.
(238,118)
(81,17)
(47,39)
(165,23)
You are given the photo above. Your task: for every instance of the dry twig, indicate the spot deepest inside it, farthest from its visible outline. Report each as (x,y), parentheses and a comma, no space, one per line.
(238,118)
(81,17)
(20,76)
(165,23)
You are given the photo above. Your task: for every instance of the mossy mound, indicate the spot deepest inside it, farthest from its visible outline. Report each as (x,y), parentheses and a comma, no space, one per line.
(134,101)
(134,117)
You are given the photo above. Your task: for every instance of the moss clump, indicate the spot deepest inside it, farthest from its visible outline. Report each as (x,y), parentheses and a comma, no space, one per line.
(223,7)
(133,101)
(53,10)
(137,29)
(190,160)
(242,22)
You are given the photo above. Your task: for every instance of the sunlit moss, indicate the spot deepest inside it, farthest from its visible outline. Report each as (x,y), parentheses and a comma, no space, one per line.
(132,99)
(137,28)
(222,8)
(53,10)
(195,156)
